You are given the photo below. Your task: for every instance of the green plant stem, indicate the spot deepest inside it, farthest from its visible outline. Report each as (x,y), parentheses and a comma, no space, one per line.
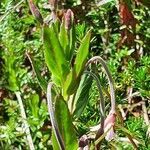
(52,117)
(109,77)
(23,115)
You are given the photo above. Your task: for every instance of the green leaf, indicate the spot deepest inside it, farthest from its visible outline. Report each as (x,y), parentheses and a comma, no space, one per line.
(71,84)
(54,54)
(67,39)
(73,79)
(72,40)
(34,104)
(12,79)
(57,24)
(65,124)
(82,95)
(49,54)
(64,40)
(54,142)
(82,53)
(58,51)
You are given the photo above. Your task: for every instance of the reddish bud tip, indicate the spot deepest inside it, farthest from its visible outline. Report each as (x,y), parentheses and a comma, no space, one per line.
(68,19)
(36,13)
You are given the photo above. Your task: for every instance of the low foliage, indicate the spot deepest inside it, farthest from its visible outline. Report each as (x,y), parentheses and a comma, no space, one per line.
(45,42)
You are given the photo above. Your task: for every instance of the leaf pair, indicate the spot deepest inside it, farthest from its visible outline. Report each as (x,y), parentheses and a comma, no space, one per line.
(73,79)
(54,55)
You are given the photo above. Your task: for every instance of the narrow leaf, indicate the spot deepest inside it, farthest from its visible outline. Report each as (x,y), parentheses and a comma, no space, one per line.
(54,142)
(72,40)
(82,96)
(64,40)
(82,53)
(73,79)
(130,135)
(71,83)
(65,124)
(49,54)
(56,52)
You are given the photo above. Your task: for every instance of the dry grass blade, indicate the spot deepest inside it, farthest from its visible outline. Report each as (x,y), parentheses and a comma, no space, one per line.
(23,115)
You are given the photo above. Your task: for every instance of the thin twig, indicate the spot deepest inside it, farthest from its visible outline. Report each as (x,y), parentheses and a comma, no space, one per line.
(122,126)
(52,117)
(123,139)
(100,139)
(145,113)
(132,95)
(130,91)
(146,118)
(23,115)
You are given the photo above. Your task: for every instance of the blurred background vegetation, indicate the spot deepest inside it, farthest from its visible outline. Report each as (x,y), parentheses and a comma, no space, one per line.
(120,35)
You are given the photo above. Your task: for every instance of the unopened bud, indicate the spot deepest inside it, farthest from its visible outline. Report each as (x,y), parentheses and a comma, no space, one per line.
(68,19)
(35,11)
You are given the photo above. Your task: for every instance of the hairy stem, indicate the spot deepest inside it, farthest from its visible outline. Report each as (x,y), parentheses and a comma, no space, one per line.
(109,77)
(102,102)
(52,117)
(102,105)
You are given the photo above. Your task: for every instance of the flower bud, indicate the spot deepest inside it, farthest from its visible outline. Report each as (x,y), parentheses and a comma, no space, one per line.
(68,19)
(35,11)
